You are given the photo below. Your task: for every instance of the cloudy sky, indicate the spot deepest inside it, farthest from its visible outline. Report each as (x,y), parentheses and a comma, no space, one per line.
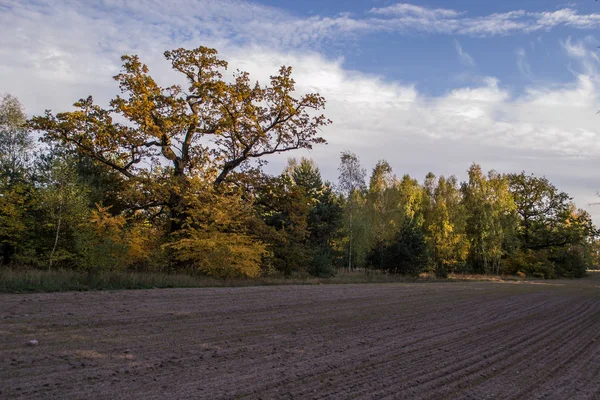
(430,85)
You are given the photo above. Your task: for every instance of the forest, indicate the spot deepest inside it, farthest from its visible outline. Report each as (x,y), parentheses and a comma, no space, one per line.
(171,179)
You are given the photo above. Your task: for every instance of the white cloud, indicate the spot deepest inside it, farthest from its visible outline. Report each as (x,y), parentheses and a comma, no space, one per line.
(406,17)
(551,129)
(465,57)
(401,9)
(585,54)
(523,65)
(575,50)
(568,17)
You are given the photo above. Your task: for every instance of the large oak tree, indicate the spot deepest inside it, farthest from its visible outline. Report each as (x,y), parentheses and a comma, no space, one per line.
(547,216)
(161,137)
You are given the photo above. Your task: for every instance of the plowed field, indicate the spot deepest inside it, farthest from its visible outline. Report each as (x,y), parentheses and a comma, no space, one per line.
(454,340)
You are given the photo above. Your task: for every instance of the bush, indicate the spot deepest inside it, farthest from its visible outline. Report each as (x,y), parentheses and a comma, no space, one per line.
(406,254)
(220,254)
(321,265)
(441,272)
(110,243)
(571,262)
(529,262)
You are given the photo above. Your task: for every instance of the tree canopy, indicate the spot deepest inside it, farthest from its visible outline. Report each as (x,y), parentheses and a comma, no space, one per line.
(160,137)
(170,178)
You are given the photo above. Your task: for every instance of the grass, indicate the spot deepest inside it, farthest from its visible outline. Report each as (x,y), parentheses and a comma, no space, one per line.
(489,278)
(32,280)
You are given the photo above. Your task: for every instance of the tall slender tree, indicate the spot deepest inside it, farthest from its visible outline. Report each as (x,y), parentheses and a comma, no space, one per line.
(490,218)
(16,143)
(351,182)
(445,224)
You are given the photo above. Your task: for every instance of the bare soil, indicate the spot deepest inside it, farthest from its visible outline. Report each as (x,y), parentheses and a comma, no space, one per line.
(455,340)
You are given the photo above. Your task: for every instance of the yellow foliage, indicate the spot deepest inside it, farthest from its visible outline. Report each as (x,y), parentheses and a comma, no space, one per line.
(216,239)
(140,239)
(221,254)
(111,242)
(12,206)
(106,225)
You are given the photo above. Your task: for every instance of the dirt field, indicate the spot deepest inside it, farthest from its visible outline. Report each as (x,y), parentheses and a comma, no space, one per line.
(452,340)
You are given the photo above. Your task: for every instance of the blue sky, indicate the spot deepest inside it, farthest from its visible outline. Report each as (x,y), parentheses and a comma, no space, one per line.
(431,59)
(427,85)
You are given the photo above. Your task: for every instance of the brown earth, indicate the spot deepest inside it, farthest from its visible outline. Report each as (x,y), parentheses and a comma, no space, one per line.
(455,340)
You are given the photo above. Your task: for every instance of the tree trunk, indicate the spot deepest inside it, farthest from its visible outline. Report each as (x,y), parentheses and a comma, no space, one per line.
(176,202)
(57,234)
(177,213)
(350,252)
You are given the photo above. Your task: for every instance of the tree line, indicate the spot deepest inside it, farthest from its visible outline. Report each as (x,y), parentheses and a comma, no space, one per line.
(171,179)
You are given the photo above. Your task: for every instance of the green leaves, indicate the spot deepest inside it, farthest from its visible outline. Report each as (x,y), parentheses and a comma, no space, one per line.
(15,142)
(491,219)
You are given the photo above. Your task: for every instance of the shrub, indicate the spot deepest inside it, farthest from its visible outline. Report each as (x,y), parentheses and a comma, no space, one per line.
(406,254)
(529,262)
